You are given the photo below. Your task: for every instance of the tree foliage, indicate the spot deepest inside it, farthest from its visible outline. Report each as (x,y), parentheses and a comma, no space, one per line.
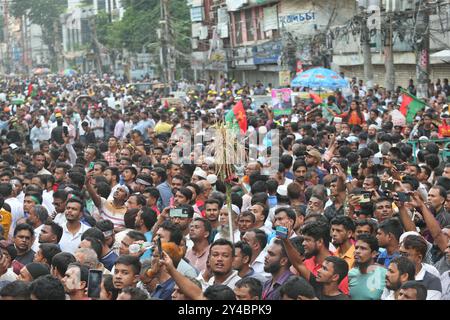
(138,28)
(44,13)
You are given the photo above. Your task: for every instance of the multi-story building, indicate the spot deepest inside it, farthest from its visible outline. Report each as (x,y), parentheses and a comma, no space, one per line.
(347,49)
(77,32)
(251,40)
(22,46)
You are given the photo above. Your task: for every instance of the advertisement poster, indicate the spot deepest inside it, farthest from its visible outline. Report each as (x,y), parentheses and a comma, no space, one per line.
(284,77)
(281,101)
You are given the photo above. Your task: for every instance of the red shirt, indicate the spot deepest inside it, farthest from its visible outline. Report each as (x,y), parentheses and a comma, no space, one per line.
(314,267)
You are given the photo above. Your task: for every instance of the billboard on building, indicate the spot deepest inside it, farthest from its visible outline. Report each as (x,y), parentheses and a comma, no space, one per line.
(267,53)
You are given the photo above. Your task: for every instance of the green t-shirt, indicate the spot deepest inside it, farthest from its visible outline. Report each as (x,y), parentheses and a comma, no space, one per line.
(367,286)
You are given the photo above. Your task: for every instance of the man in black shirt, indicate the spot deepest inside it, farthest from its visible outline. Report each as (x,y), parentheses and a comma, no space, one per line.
(23,240)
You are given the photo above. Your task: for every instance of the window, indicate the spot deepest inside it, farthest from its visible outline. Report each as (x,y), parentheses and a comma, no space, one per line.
(238,26)
(85,31)
(249,25)
(101,5)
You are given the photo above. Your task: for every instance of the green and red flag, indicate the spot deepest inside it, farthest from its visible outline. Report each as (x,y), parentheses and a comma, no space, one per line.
(410,106)
(237,115)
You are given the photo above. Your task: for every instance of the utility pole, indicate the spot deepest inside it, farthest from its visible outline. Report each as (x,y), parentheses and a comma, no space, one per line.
(422,37)
(367,54)
(96,45)
(389,56)
(166,44)
(8,60)
(58,45)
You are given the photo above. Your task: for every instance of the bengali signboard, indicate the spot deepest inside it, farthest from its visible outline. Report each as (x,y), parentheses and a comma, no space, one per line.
(296,18)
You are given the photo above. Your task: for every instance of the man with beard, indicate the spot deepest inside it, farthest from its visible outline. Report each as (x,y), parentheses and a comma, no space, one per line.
(183,219)
(366,279)
(383,209)
(73,229)
(316,240)
(59,203)
(212,212)
(277,264)
(221,256)
(316,205)
(112,175)
(299,168)
(51,232)
(399,271)
(23,239)
(436,201)
(342,230)
(372,133)
(257,240)
(199,232)
(37,217)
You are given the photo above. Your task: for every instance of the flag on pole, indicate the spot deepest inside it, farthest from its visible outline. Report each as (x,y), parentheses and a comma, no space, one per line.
(237,114)
(410,106)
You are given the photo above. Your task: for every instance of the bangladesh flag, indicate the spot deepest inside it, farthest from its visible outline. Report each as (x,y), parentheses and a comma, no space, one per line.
(32,90)
(410,106)
(237,115)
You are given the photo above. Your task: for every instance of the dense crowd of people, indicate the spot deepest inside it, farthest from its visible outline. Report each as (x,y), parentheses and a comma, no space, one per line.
(358,206)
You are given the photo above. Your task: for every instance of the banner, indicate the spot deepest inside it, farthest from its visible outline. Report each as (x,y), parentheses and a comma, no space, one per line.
(281,100)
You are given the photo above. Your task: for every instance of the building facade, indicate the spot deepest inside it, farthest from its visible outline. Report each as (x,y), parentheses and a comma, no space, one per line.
(77,31)
(251,40)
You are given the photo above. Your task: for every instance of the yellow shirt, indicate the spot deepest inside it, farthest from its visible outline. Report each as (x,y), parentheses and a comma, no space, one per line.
(163,127)
(5,222)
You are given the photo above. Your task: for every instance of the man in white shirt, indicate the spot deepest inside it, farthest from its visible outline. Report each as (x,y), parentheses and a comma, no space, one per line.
(257,240)
(38,215)
(221,256)
(98,124)
(73,229)
(6,190)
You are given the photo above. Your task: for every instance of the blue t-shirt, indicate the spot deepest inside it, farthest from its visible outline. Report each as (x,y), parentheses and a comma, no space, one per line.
(385,259)
(109,260)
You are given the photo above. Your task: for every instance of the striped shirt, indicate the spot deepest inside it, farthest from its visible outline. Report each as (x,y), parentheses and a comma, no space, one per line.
(109,212)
